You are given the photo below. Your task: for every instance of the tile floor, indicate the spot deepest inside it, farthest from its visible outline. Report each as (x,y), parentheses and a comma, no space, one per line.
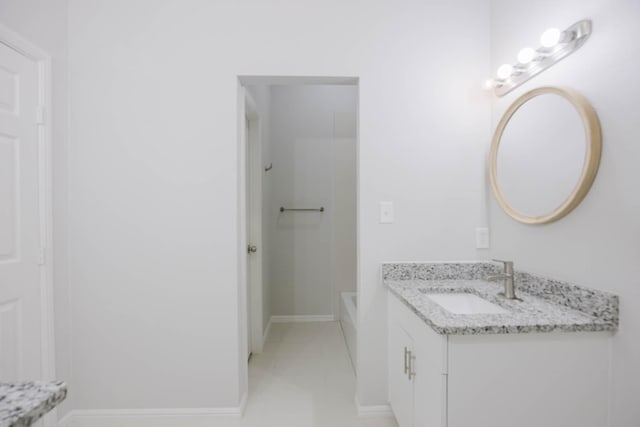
(304,378)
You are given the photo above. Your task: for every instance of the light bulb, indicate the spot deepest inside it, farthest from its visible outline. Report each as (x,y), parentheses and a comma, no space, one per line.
(505,71)
(550,37)
(488,84)
(526,55)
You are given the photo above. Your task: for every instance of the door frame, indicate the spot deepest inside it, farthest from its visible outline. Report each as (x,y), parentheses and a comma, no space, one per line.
(45,185)
(254,186)
(246,103)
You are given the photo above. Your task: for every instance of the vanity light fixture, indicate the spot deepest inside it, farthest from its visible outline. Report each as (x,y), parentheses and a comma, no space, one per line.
(505,71)
(550,37)
(555,45)
(526,55)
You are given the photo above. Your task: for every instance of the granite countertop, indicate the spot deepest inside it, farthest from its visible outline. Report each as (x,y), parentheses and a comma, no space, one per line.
(23,403)
(546,305)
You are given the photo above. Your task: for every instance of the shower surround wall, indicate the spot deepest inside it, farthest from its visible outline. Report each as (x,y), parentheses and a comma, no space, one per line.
(313,151)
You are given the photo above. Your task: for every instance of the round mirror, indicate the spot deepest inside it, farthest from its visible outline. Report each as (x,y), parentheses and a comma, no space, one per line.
(545,155)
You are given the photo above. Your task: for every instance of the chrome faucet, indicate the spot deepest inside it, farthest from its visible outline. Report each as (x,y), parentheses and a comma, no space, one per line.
(507,276)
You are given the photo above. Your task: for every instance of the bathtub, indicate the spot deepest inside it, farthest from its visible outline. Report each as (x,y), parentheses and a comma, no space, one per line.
(349,323)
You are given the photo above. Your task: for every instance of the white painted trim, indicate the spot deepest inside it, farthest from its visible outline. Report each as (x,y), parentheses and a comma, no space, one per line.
(298,80)
(373,411)
(46,217)
(45,185)
(243,403)
(21,45)
(250,107)
(66,421)
(265,336)
(303,318)
(359,222)
(166,416)
(243,313)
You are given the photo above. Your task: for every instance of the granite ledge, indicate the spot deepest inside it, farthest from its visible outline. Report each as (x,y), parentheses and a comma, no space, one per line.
(23,403)
(547,305)
(530,315)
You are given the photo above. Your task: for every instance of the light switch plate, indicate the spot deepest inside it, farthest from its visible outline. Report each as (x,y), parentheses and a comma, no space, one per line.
(386,212)
(482,238)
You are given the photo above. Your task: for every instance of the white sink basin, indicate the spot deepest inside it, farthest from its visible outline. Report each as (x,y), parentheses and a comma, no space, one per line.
(465,303)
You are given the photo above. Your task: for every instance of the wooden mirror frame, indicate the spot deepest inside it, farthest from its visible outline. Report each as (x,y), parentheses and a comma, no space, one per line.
(593,141)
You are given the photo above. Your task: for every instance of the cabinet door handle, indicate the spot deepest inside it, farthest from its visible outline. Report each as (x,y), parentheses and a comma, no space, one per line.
(412,373)
(406,363)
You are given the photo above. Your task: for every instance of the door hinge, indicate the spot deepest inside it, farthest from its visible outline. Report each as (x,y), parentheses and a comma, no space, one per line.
(40,115)
(42,256)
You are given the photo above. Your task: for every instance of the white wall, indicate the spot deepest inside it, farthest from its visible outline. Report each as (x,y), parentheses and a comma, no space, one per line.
(598,244)
(44,23)
(313,151)
(153,172)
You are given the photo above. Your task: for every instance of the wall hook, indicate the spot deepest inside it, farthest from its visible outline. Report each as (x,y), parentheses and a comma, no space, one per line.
(268,168)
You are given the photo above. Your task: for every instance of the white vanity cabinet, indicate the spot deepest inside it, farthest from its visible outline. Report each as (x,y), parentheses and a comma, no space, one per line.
(401,386)
(557,379)
(417,369)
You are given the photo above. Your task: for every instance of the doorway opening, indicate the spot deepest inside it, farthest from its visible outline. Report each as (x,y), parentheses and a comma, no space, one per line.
(299,150)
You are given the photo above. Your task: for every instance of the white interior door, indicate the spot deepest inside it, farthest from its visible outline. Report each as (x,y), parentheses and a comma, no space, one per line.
(250,245)
(20,251)
(253,194)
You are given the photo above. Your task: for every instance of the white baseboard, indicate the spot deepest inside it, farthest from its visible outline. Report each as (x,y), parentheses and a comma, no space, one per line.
(303,318)
(167,417)
(373,411)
